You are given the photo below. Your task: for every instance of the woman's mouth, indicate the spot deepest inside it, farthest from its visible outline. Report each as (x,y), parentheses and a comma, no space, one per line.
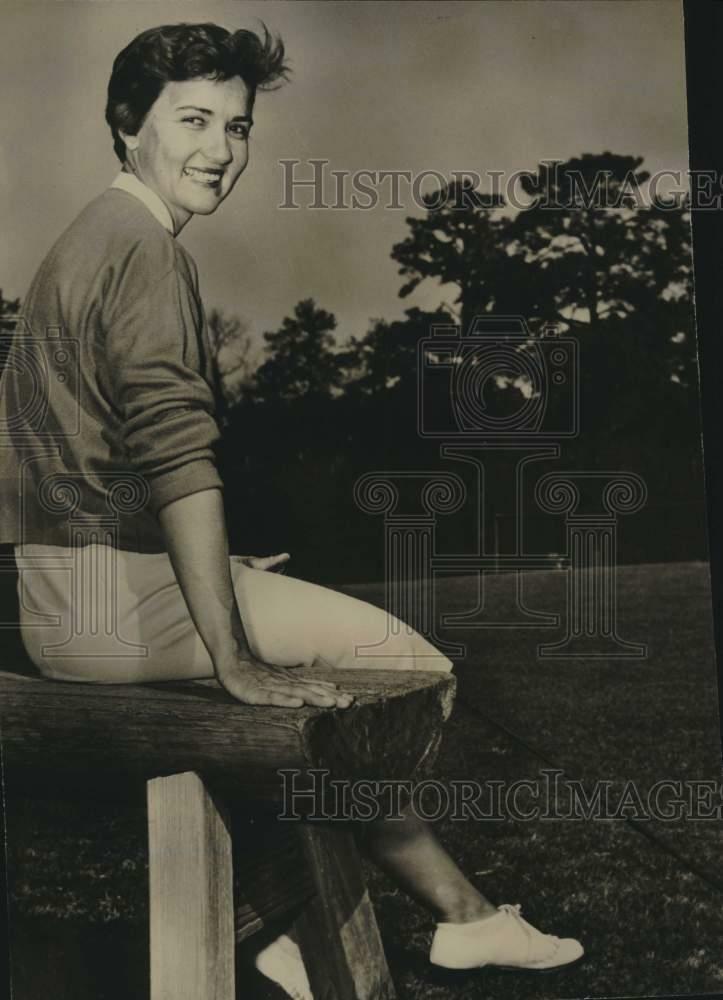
(203,175)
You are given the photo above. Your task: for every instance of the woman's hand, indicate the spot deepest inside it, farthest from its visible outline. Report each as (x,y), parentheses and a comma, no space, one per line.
(254,682)
(195,532)
(273,563)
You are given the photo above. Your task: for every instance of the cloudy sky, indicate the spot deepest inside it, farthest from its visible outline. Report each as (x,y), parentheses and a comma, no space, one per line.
(415,86)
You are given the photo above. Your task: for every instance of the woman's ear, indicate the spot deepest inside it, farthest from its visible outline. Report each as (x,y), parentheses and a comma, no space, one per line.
(131,141)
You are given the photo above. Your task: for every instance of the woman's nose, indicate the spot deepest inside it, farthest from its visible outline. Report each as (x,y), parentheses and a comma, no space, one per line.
(218,148)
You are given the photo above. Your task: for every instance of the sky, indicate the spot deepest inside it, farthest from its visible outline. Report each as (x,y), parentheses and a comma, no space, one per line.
(414,86)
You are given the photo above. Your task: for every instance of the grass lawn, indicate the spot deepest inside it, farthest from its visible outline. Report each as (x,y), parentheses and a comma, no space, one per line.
(650,926)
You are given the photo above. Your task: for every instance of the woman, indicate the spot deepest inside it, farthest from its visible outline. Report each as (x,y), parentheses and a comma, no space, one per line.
(111,473)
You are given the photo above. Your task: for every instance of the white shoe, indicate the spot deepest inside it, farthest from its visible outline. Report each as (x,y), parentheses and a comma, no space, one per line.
(281,962)
(505,941)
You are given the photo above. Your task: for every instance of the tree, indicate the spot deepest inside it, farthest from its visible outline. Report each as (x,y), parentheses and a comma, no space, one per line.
(9,310)
(588,248)
(460,241)
(302,360)
(589,255)
(235,358)
(385,358)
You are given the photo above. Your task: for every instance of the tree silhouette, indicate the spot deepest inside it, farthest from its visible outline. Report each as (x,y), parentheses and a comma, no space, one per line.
(302,360)
(9,309)
(588,248)
(385,358)
(589,255)
(235,358)
(459,241)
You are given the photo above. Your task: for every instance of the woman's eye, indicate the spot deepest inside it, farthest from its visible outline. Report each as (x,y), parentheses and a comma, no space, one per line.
(194,120)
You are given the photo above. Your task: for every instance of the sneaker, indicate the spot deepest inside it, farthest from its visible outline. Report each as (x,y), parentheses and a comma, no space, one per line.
(282,963)
(505,941)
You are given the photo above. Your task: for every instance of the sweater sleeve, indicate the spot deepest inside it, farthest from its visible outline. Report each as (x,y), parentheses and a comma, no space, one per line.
(153,351)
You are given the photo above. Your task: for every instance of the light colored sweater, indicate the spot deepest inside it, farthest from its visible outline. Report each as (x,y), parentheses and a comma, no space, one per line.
(109,394)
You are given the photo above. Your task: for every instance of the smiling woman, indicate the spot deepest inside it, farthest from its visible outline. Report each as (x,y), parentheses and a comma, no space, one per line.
(193,145)
(188,140)
(123,489)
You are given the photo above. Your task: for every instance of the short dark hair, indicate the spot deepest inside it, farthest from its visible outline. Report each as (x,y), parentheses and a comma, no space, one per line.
(175,52)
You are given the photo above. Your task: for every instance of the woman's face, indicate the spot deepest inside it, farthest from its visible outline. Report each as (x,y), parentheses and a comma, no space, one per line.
(193,144)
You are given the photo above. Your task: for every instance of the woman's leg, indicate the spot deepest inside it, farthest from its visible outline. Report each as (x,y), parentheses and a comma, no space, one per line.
(291,622)
(121,618)
(288,622)
(102,615)
(409,852)
(295,622)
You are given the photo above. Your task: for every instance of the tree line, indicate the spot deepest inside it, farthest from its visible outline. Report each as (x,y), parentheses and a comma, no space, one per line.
(316,407)
(315,410)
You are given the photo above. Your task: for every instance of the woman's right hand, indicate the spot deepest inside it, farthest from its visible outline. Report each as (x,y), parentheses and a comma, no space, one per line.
(254,682)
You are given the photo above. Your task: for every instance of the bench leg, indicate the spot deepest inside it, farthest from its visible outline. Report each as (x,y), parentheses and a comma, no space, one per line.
(191,892)
(337,931)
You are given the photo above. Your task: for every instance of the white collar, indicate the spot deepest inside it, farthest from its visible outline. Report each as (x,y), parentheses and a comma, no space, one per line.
(130,183)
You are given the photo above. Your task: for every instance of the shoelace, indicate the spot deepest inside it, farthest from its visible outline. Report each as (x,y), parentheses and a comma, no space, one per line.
(535,938)
(291,990)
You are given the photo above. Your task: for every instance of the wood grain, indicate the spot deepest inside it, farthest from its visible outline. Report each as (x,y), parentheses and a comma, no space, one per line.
(271,875)
(191,892)
(338,933)
(89,735)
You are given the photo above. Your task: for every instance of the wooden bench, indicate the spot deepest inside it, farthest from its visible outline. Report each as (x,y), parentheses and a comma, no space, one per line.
(204,757)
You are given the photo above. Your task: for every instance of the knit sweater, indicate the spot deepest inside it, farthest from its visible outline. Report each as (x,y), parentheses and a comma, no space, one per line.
(108,395)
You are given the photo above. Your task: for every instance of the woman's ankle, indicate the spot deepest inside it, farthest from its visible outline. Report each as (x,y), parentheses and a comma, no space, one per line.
(465,911)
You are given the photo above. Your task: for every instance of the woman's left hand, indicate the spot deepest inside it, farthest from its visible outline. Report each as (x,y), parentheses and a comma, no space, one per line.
(273,563)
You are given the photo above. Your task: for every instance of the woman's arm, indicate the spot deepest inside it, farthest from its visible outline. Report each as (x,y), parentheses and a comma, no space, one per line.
(195,533)
(154,359)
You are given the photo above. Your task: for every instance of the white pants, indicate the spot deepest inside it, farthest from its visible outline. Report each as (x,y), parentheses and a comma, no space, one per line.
(105,615)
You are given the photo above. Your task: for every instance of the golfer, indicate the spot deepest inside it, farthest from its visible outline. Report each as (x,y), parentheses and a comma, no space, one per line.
(118,476)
